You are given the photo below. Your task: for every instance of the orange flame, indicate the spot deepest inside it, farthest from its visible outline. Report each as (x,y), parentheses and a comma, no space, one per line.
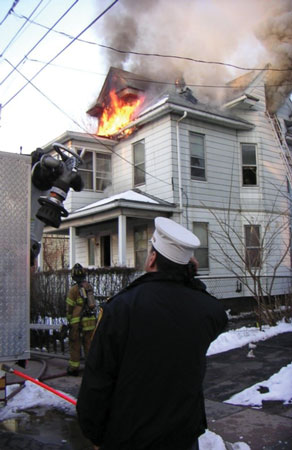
(117,114)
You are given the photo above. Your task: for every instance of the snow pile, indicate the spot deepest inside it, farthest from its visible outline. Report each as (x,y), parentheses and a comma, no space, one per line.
(242,336)
(211,441)
(30,397)
(277,387)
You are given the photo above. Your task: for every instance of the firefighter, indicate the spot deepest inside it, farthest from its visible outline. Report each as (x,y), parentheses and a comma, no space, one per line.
(142,386)
(80,311)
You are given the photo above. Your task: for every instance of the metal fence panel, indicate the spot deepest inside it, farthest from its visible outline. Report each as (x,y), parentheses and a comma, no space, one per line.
(14,261)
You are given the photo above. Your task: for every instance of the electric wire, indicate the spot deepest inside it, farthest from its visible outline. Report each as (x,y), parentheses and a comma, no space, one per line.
(17,33)
(161,55)
(99,141)
(149,80)
(29,81)
(61,51)
(29,22)
(9,11)
(40,40)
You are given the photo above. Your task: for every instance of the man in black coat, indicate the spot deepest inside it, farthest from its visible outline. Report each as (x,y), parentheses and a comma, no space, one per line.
(142,385)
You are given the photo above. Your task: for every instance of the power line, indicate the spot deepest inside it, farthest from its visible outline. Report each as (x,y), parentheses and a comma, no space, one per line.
(23,25)
(40,40)
(160,55)
(185,58)
(58,54)
(9,11)
(149,80)
(84,129)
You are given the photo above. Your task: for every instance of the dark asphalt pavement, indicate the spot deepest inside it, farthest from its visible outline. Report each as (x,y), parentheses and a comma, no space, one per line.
(268,428)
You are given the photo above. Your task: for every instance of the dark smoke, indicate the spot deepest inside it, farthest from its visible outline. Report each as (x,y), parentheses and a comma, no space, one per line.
(276,35)
(247,33)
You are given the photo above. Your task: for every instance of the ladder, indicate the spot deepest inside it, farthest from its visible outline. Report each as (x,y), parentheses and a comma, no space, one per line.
(282,144)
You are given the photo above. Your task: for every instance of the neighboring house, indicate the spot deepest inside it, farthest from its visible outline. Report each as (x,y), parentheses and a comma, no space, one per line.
(199,165)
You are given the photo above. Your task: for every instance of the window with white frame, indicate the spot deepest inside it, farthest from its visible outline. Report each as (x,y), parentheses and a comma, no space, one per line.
(139,162)
(140,246)
(200,229)
(249,164)
(96,170)
(197,151)
(252,246)
(86,170)
(103,172)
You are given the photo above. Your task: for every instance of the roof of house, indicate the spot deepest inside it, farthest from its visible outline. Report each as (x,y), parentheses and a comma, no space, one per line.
(132,195)
(177,98)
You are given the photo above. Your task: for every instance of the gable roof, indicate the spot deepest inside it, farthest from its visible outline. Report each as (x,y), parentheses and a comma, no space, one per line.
(118,79)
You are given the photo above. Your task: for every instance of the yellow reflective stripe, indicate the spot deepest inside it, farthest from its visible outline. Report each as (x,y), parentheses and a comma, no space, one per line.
(88,328)
(85,319)
(75,320)
(79,301)
(70,302)
(74,364)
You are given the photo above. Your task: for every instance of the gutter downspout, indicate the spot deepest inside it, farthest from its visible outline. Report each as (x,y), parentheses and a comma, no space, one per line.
(179,165)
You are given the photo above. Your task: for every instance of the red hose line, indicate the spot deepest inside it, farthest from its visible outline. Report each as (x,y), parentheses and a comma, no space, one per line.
(45,386)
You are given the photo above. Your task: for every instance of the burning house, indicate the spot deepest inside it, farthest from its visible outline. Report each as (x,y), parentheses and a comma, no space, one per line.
(222,171)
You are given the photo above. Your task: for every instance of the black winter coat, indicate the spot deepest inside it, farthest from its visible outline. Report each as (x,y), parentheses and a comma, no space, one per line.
(142,385)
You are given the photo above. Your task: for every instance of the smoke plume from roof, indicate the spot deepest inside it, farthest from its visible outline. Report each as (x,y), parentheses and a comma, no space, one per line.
(246,33)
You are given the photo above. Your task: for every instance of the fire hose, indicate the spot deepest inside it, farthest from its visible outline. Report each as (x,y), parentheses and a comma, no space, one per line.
(8,369)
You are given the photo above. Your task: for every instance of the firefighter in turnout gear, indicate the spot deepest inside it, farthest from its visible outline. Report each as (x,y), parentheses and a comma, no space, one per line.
(80,310)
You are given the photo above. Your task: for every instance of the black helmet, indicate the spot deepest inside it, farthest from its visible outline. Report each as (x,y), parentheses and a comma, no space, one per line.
(77,272)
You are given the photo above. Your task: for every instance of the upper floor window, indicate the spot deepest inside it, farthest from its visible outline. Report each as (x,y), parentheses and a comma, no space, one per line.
(96,170)
(140,246)
(139,162)
(200,229)
(249,164)
(252,246)
(197,150)
(103,173)
(86,170)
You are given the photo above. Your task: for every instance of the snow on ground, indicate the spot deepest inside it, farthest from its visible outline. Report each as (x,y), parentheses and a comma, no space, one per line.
(279,385)
(245,335)
(211,441)
(32,396)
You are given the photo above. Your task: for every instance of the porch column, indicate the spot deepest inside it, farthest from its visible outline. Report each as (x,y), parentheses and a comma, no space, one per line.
(72,246)
(122,239)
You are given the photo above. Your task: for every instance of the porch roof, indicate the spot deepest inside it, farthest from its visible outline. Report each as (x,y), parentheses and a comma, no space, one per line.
(131,203)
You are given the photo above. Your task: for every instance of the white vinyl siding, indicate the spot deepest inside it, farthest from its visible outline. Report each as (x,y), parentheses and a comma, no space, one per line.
(91,251)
